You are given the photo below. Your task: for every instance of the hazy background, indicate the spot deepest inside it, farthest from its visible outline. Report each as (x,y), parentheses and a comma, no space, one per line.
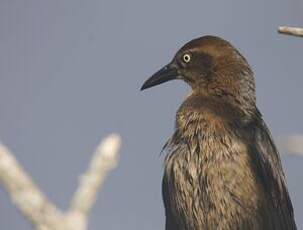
(70,73)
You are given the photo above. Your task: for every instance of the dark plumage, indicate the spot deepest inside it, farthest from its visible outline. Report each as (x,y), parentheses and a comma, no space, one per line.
(222,169)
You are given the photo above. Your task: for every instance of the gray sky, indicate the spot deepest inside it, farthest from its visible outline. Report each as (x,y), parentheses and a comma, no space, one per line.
(71,72)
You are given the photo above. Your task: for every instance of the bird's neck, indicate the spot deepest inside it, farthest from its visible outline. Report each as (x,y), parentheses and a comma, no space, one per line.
(202,112)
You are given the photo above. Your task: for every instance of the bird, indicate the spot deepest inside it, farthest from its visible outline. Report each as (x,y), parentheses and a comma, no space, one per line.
(222,169)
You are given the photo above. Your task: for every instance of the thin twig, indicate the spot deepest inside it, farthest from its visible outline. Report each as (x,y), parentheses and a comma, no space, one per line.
(294,31)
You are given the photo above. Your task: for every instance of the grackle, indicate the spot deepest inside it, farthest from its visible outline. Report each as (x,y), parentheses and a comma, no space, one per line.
(222,168)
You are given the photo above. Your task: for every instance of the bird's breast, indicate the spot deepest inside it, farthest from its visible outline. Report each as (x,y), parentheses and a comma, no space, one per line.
(208,174)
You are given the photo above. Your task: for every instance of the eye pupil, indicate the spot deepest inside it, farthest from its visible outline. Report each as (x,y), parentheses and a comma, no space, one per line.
(186,58)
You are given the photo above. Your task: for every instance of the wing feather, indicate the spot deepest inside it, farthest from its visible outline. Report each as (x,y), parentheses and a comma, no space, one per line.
(267,160)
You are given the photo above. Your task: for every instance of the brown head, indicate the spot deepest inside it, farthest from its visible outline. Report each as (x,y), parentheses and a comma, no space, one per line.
(212,67)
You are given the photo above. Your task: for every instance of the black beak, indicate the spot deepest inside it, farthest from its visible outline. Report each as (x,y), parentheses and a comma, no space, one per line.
(167,73)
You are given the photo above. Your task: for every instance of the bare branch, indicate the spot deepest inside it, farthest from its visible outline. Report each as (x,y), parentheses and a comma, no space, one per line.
(24,193)
(292,144)
(104,159)
(294,31)
(42,213)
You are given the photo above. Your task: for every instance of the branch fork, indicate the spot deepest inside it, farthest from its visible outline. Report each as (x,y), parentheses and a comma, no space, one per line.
(35,206)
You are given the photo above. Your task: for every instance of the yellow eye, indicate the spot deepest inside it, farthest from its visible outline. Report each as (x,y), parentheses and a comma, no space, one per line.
(186,58)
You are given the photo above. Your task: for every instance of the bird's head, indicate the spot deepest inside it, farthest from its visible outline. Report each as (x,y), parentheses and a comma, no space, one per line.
(212,66)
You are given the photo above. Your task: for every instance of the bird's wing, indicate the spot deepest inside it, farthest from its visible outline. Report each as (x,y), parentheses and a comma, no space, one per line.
(267,159)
